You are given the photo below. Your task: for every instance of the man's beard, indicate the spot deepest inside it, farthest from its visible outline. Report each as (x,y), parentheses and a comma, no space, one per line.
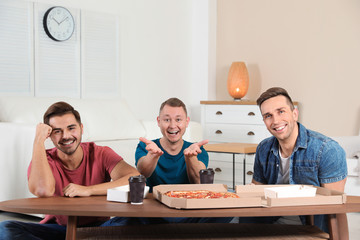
(68,151)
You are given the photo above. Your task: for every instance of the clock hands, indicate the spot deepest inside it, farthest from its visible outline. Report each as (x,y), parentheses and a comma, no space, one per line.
(63,20)
(55,20)
(60,21)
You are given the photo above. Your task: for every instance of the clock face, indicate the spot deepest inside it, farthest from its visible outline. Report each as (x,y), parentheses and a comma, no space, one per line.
(58,23)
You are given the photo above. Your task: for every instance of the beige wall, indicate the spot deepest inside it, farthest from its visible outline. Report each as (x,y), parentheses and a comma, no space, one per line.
(309,47)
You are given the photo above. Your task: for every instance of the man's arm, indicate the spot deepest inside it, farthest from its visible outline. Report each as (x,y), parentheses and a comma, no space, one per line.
(338,186)
(255,182)
(193,165)
(120,176)
(147,164)
(41,179)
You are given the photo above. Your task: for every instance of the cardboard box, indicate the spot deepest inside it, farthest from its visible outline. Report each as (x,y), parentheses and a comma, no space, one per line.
(122,193)
(290,191)
(323,196)
(182,203)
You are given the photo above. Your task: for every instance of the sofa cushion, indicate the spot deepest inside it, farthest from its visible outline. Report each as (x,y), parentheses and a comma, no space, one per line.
(110,120)
(27,110)
(105,119)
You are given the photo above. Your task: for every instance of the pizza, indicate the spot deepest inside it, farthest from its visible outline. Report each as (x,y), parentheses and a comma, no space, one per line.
(200,194)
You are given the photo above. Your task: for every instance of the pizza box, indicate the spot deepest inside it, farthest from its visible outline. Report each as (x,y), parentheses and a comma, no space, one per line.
(122,193)
(290,191)
(294,197)
(183,203)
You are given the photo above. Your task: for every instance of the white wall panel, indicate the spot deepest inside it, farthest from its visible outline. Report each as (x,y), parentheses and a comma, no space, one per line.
(100,55)
(16,75)
(57,64)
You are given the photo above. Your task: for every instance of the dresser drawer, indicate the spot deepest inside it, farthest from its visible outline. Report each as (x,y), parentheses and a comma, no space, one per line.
(221,157)
(244,114)
(222,163)
(224,170)
(236,133)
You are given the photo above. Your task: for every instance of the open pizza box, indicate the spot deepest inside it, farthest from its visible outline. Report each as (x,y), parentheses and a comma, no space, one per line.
(183,203)
(291,195)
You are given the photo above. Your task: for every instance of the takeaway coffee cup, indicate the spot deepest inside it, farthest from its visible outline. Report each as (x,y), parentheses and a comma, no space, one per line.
(137,186)
(207,176)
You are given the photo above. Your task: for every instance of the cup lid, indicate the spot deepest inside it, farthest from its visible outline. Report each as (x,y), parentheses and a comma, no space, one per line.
(207,171)
(139,178)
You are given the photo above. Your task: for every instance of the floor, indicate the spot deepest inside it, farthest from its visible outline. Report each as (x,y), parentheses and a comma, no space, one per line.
(353,220)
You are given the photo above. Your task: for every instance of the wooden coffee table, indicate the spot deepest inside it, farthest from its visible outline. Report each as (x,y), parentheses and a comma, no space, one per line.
(99,206)
(233,148)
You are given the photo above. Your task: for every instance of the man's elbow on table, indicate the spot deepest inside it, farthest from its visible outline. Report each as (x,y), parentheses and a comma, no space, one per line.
(41,191)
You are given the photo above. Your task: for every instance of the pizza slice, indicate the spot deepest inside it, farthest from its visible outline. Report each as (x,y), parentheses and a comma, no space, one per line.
(200,194)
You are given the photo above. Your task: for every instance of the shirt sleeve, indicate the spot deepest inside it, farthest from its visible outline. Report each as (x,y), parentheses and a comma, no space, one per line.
(332,167)
(111,159)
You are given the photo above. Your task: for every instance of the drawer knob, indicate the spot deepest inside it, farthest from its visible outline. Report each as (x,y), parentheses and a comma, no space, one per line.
(218,169)
(218,113)
(218,132)
(251,114)
(251,133)
(250,173)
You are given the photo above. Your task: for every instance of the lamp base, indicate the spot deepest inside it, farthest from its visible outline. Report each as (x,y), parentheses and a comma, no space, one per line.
(237,99)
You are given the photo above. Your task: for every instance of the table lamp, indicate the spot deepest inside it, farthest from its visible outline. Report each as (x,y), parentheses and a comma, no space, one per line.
(238,80)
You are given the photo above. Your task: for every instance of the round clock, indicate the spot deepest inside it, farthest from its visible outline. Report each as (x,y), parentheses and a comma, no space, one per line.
(58,23)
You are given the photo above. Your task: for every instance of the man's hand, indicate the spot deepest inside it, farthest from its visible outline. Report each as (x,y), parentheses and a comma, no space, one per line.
(74,190)
(194,149)
(43,131)
(151,147)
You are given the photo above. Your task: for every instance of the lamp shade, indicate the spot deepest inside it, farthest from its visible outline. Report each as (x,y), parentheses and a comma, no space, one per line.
(238,80)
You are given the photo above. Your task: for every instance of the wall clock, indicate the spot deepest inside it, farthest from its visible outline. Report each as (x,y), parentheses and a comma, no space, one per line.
(58,23)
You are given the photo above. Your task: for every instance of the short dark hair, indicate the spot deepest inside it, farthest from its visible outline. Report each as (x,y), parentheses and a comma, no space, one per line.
(173,102)
(273,92)
(60,109)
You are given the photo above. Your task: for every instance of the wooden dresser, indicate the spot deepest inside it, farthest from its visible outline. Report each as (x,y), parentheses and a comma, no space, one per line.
(232,121)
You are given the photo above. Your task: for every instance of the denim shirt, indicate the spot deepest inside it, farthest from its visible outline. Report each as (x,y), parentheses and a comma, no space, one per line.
(316,159)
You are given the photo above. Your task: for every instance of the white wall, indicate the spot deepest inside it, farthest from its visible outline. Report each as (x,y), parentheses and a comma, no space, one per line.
(165,54)
(167,50)
(309,47)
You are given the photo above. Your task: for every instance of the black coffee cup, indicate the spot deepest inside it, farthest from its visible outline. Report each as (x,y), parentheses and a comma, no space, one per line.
(207,176)
(137,186)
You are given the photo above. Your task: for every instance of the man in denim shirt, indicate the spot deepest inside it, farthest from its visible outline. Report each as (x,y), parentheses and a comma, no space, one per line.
(296,155)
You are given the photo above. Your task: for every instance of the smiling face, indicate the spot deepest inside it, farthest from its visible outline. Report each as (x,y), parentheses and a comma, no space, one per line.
(173,122)
(280,119)
(66,133)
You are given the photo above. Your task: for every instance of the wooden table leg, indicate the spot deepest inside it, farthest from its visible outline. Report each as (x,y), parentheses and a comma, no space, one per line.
(233,171)
(310,220)
(333,227)
(71,228)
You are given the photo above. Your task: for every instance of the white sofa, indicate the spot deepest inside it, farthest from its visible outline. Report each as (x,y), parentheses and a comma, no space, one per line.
(351,145)
(106,122)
